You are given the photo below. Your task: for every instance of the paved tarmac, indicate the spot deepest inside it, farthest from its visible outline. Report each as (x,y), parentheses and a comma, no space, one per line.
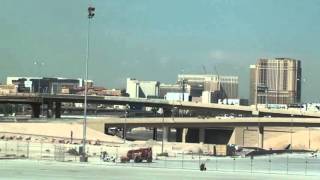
(31,169)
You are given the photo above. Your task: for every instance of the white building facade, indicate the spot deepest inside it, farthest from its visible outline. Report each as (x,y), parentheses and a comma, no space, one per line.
(142,89)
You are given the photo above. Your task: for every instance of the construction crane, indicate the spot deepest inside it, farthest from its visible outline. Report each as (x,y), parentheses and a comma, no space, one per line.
(204,69)
(225,96)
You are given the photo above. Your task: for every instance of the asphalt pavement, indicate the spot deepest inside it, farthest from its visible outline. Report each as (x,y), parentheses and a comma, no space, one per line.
(45,170)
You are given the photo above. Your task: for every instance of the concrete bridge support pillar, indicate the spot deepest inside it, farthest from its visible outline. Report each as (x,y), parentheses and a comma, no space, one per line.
(35,110)
(201,135)
(184,135)
(50,110)
(155,134)
(165,133)
(58,110)
(261,136)
(179,134)
(124,133)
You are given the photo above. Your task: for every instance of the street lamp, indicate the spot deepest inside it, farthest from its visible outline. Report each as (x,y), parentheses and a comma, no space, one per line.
(40,64)
(291,124)
(309,138)
(182,86)
(84,157)
(124,133)
(162,142)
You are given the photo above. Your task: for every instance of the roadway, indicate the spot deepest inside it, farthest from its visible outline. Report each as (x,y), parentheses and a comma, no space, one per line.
(37,99)
(51,170)
(208,122)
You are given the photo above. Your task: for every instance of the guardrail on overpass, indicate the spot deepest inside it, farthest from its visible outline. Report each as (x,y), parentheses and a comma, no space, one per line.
(33,98)
(209,122)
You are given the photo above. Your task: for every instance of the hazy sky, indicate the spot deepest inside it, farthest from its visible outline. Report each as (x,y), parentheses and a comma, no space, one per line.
(156,40)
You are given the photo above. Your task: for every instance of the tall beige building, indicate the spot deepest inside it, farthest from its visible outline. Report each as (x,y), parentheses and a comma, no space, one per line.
(275,81)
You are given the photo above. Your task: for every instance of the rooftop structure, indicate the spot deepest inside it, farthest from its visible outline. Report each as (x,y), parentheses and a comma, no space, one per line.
(227,85)
(142,89)
(44,84)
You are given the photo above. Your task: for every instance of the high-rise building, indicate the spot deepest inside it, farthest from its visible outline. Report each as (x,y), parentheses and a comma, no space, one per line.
(275,81)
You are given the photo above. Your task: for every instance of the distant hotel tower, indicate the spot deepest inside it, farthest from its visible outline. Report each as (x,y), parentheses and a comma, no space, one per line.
(275,81)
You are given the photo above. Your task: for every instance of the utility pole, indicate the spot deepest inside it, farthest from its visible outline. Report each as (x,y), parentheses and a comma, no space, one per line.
(84,157)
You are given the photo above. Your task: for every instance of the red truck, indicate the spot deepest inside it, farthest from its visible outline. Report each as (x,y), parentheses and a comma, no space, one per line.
(138,155)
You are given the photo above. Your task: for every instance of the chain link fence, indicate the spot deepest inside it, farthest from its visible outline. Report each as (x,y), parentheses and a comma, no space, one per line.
(290,163)
(300,164)
(13,149)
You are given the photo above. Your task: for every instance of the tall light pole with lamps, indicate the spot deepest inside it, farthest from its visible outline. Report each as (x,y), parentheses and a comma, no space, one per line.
(40,64)
(162,142)
(84,157)
(182,86)
(124,133)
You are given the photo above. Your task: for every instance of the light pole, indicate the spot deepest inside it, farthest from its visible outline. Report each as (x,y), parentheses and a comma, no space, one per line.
(162,143)
(309,138)
(124,133)
(84,157)
(291,124)
(182,86)
(40,64)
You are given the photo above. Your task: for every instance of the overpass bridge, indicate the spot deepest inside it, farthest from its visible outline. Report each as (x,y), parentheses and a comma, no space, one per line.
(191,122)
(54,104)
(198,127)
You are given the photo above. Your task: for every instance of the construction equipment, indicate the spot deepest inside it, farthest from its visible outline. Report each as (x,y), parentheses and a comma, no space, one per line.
(204,69)
(138,155)
(224,94)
